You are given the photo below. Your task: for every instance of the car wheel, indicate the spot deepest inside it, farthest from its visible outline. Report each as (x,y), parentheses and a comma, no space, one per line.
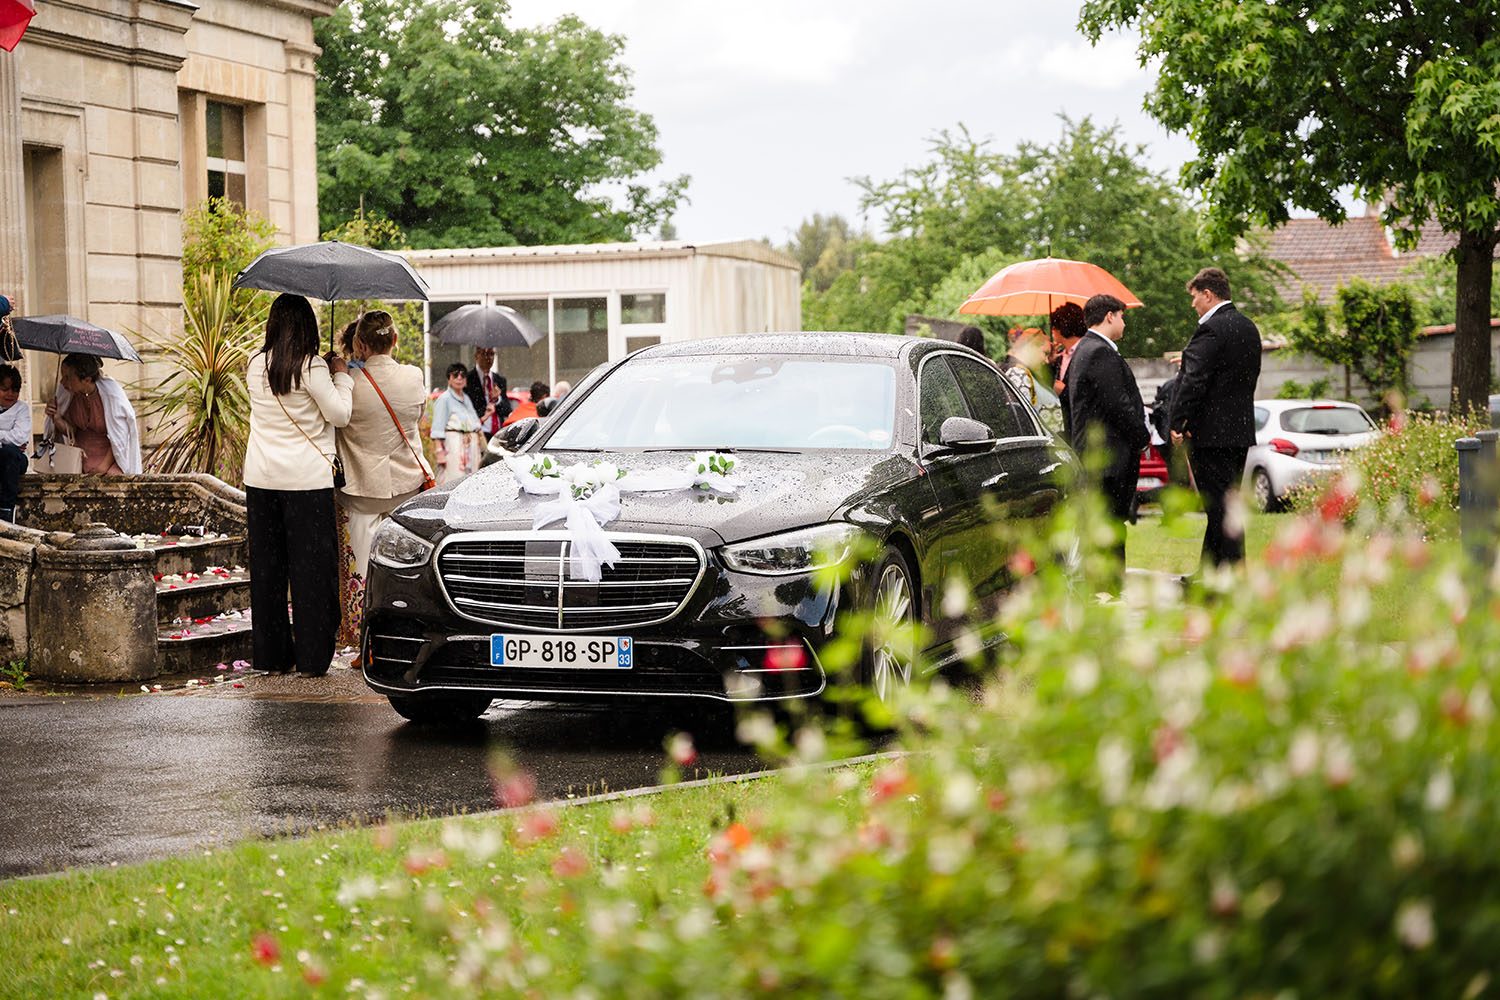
(889,653)
(1263,493)
(440,709)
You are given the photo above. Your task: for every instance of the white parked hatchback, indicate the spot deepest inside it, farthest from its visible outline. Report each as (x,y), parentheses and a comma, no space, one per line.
(1299,438)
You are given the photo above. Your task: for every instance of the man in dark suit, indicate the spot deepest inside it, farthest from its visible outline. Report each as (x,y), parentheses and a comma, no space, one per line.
(1214,409)
(1104,406)
(486,391)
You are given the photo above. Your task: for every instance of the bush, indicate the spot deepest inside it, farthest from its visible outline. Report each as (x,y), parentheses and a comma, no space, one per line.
(1284,793)
(1411,469)
(204,403)
(1317,388)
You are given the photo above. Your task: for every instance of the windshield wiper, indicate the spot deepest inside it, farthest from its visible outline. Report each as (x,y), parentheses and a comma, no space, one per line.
(726,450)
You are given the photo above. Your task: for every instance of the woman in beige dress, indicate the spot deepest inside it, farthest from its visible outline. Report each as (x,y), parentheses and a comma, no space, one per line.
(382,464)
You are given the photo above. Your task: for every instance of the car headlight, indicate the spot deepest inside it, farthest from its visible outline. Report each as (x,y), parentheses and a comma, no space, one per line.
(800,551)
(394,546)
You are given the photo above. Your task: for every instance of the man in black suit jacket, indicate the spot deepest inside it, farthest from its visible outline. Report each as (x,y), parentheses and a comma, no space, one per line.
(1214,410)
(481,381)
(1104,405)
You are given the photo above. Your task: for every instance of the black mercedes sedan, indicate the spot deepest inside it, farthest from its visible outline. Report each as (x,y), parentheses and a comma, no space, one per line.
(902,450)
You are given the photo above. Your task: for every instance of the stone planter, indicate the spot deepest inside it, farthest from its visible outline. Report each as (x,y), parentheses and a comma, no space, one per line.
(91,610)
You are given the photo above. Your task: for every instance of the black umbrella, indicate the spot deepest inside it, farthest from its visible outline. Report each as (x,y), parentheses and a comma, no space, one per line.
(331,271)
(486,326)
(71,335)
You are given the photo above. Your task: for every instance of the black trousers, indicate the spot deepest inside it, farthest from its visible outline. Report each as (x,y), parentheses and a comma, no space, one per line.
(294,544)
(1219,470)
(13,466)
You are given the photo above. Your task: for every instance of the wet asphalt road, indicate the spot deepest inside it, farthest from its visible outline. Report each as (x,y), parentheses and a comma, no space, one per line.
(90,781)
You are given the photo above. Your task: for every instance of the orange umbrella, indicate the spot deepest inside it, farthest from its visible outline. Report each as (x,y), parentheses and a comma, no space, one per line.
(1036,287)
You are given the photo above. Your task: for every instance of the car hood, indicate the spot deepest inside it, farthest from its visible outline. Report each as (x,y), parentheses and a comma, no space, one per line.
(779,492)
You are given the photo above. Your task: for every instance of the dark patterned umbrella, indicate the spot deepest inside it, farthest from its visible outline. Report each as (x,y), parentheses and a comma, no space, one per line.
(71,335)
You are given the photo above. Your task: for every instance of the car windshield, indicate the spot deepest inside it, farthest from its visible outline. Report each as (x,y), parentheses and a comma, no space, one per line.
(1326,420)
(776,402)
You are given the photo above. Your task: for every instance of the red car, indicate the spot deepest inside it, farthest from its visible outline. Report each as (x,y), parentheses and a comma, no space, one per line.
(1153,475)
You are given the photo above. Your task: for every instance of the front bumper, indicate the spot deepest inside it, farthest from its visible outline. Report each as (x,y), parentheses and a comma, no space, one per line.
(738,637)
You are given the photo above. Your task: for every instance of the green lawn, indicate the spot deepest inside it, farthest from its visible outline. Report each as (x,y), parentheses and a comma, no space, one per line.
(188,926)
(1154,544)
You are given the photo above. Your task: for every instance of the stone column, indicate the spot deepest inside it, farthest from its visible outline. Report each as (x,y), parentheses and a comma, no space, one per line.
(12,192)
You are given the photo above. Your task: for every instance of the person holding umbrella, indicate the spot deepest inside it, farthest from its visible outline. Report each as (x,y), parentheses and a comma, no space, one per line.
(97,414)
(486,390)
(15,439)
(297,399)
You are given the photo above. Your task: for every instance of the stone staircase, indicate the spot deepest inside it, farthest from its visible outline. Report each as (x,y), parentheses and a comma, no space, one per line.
(202,602)
(103,601)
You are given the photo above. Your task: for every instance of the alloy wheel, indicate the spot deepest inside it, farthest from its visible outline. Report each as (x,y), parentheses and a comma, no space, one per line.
(891,660)
(1260,485)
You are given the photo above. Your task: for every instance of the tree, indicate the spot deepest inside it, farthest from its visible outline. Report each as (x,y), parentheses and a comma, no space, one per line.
(466,132)
(825,246)
(1293,103)
(1372,332)
(368,230)
(1088,195)
(218,239)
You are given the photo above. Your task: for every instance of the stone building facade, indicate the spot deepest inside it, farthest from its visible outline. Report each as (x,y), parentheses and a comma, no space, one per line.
(115,117)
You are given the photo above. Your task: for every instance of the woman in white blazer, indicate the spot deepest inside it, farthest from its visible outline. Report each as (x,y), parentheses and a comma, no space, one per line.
(296,400)
(382,463)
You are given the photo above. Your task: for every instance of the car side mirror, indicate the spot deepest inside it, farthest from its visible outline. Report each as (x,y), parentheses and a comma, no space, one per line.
(964,434)
(518,433)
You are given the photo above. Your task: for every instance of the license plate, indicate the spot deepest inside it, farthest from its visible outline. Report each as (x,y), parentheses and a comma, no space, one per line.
(590,652)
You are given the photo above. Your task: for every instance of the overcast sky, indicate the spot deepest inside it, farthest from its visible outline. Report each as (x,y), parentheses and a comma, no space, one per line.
(771,107)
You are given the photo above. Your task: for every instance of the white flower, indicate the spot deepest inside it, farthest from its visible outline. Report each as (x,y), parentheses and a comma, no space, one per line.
(1439,794)
(1414,924)
(1302,757)
(1083,675)
(960,794)
(1114,763)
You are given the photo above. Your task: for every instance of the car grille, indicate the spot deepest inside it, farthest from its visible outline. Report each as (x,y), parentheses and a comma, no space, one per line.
(522,582)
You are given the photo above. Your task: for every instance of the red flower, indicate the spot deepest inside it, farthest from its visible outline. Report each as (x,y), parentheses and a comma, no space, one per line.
(1455,707)
(1166,741)
(680,748)
(518,788)
(265,949)
(570,863)
(891,781)
(535,826)
(1021,564)
(418,863)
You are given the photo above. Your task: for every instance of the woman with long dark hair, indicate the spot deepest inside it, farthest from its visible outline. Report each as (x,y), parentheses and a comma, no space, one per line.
(297,399)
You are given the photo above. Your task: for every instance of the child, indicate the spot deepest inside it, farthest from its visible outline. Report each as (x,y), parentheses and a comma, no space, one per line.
(15,439)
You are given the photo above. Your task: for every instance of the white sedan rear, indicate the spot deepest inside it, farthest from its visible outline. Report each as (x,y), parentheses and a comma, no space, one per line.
(1299,438)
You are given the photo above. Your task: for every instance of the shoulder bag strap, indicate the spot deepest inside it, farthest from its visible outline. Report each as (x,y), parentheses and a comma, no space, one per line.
(301,431)
(395,420)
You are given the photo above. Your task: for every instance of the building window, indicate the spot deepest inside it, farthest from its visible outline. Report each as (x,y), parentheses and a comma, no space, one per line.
(581,336)
(633,344)
(224,125)
(522,366)
(643,307)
